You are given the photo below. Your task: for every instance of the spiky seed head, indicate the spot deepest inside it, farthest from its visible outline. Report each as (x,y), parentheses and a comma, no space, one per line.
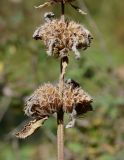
(47,100)
(60,37)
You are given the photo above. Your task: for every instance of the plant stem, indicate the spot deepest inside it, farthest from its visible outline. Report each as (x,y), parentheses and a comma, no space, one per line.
(62,9)
(60,114)
(60,135)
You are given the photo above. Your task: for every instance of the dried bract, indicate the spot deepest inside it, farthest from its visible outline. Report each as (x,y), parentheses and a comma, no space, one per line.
(30,128)
(61,37)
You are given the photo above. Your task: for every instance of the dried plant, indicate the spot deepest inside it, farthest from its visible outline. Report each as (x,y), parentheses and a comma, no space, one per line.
(47,100)
(61,37)
(52,2)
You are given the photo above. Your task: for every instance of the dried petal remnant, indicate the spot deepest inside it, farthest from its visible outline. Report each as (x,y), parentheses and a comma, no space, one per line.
(60,37)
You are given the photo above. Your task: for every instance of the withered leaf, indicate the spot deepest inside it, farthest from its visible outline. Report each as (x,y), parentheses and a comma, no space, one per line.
(30,127)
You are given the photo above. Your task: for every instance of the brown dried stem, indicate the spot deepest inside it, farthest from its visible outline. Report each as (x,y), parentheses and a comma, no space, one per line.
(60,113)
(60,135)
(62,10)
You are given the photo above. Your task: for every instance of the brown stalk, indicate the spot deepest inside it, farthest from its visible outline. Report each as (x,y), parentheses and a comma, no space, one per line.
(60,114)
(62,10)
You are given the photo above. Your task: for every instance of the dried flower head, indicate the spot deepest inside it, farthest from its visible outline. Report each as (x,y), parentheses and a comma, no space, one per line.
(47,100)
(61,37)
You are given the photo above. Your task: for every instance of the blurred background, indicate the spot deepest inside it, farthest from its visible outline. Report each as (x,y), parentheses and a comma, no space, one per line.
(24,65)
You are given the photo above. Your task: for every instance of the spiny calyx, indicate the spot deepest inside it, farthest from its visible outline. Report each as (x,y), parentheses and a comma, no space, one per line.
(60,37)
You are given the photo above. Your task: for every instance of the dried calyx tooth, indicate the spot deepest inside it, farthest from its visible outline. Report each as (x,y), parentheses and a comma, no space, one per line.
(60,37)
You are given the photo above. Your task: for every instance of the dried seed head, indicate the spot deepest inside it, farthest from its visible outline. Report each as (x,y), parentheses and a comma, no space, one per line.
(47,100)
(60,37)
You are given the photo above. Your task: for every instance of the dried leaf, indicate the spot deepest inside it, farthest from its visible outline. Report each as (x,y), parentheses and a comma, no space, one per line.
(30,128)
